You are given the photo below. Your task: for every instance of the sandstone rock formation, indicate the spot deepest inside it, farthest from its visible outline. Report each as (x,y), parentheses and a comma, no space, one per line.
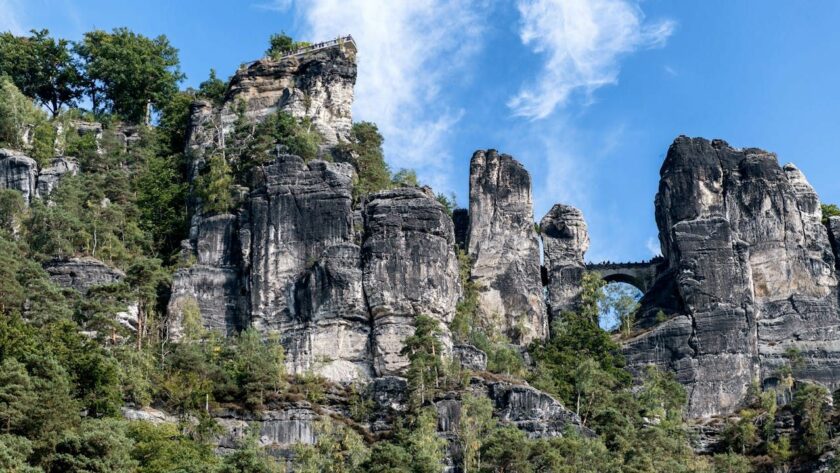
(18,172)
(82,274)
(753,276)
(504,246)
(834,236)
(49,177)
(410,269)
(565,240)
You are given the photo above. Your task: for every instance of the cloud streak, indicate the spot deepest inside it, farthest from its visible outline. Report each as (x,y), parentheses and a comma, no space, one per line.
(582,42)
(408,54)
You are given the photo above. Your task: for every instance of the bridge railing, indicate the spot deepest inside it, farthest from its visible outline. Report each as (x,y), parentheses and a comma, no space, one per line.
(340,41)
(629,264)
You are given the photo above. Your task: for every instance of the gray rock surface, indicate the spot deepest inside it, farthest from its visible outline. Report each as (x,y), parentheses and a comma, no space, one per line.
(49,177)
(470,357)
(334,327)
(834,236)
(211,284)
(565,240)
(82,274)
(504,246)
(753,271)
(18,172)
(410,269)
(295,212)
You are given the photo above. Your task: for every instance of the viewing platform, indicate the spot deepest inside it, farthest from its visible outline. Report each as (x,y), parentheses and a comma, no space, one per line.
(345,43)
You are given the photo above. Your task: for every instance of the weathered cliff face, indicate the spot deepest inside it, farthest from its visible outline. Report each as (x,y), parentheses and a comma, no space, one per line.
(82,274)
(753,274)
(18,172)
(410,269)
(295,212)
(21,173)
(49,177)
(565,240)
(317,86)
(504,246)
(834,236)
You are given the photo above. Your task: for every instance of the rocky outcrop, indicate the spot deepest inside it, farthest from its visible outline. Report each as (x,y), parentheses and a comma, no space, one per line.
(209,289)
(332,336)
(410,269)
(470,357)
(504,246)
(834,236)
(49,177)
(565,240)
(753,276)
(18,172)
(295,212)
(82,274)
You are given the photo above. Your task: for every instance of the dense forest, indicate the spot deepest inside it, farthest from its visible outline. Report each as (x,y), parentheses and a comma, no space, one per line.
(68,366)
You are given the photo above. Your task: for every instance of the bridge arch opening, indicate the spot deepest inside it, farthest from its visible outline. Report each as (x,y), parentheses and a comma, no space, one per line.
(618,302)
(625,279)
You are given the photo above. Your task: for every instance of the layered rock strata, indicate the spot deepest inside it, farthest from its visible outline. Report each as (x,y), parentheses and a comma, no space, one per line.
(565,240)
(752,274)
(18,172)
(504,247)
(410,269)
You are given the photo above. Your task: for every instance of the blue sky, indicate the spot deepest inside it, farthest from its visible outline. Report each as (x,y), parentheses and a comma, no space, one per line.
(588,94)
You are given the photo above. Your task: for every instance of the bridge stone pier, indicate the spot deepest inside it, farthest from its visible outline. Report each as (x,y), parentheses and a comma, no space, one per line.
(638,274)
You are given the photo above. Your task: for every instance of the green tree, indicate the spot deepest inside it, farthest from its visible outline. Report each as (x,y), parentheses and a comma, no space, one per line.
(281,43)
(424,351)
(99,446)
(475,425)
(213,89)
(126,71)
(828,211)
(338,449)
(18,115)
(259,367)
(14,451)
(365,149)
(405,178)
(42,67)
(162,449)
(810,405)
(17,394)
(215,185)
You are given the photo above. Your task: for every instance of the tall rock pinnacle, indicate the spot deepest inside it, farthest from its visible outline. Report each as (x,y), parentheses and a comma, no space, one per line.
(504,246)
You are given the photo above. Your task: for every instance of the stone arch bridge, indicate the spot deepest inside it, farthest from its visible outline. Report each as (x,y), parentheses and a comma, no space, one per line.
(638,274)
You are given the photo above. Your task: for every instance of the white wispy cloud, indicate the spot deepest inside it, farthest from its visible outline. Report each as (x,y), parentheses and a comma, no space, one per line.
(11,13)
(582,42)
(408,53)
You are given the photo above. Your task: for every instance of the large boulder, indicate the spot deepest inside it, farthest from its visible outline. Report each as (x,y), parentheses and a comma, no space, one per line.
(565,240)
(410,269)
(753,275)
(504,247)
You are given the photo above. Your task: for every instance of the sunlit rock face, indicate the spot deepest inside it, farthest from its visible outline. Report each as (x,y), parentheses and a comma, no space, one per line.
(410,269)
(753,275)
(504,247)
(18,172)
(565,241)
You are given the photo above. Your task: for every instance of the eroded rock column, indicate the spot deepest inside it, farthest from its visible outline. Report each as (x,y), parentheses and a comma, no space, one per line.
(410,269)
(504,247)
(565,241)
